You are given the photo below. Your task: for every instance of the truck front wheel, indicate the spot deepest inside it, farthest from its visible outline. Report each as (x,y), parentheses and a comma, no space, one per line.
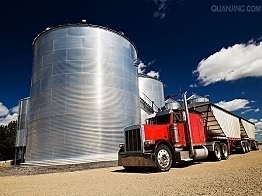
(164,158)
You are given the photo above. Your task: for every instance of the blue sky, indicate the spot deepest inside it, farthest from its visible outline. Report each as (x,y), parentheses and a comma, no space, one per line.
(179,39)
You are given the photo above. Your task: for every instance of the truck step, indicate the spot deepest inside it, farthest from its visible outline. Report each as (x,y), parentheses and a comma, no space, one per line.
(182,156)
(189,159)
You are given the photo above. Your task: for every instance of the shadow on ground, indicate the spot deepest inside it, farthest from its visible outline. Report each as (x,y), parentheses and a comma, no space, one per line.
(144,170)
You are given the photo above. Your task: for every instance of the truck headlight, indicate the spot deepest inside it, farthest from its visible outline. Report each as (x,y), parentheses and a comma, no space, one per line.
(149,142)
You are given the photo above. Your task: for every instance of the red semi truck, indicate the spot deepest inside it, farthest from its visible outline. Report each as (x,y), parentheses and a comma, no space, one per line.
(180,135)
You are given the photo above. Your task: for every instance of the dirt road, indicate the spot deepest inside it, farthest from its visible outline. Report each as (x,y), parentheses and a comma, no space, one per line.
(239,175)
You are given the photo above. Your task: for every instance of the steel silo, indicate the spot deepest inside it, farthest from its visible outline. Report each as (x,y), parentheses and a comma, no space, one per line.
(84,92)
(172,104)
(196,100)
(150,89)
(22,129)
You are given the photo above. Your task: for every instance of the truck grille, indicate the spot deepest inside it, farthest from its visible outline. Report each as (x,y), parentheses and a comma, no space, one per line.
(133,140)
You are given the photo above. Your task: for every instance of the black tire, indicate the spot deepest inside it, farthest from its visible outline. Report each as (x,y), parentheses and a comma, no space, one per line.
(247,147)
(224,151)
(255,146)
(216,155)
(164,158)
(242,148)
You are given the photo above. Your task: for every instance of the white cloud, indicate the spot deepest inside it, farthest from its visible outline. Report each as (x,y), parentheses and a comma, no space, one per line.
(193,85)
(9,118)
(142,69)
(5,115)
(250,110)
(3,110)
(245,111)
(234,105)
(258,125)
(15,109)
(257,110)
(253,120)
(151,62)
(232,63)
(161,8)
(153,74)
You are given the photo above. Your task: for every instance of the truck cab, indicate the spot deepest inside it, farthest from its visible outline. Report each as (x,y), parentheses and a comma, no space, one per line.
(163,140)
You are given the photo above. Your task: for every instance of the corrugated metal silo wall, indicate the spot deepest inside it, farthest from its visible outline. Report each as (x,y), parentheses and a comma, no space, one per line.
(154,90)
(22,125)
(84,92)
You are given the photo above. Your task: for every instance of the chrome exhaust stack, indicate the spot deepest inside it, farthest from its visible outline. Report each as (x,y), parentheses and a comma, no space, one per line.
(188,131)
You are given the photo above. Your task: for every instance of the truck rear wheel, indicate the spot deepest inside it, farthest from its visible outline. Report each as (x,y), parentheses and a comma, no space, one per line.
(164,158)
(224,151)
(216,155)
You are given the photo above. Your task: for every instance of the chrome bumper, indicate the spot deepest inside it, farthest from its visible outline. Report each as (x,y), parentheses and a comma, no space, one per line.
(139,160)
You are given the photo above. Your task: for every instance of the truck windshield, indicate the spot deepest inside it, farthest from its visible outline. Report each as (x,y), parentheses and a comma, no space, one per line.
(160,120)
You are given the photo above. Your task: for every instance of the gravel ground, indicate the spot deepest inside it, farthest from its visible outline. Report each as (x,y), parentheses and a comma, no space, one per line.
(239,175)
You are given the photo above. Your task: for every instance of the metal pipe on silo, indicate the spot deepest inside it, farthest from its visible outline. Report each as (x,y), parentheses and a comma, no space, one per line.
(22,129)
(84,92)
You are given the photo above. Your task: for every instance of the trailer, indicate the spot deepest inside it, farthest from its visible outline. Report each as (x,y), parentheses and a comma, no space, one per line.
(222,125)
(186,134)
(247,130)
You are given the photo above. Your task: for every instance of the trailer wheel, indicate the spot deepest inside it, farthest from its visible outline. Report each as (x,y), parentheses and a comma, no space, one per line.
(164,158)
(216,155)
(247,148)
(224,151)
(255,146)
(242,148)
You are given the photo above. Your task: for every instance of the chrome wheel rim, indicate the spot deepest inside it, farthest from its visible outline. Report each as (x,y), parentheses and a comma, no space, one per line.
(218,153)
(163,158)
(225,151)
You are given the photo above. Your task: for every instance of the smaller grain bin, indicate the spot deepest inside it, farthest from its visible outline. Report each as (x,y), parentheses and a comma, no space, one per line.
(151,91)
(22,126)
(196,100)
(172,104)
